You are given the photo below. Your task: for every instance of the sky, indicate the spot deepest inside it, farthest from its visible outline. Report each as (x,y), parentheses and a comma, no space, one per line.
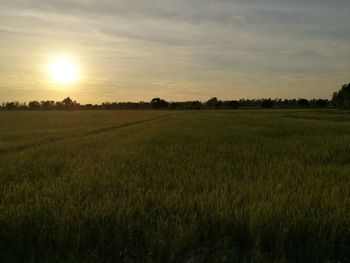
(135,50)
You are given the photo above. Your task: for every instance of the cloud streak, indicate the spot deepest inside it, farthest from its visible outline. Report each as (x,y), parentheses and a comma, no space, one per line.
(179,49)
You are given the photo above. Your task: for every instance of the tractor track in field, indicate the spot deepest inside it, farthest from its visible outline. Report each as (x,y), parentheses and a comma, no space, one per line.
(21,148)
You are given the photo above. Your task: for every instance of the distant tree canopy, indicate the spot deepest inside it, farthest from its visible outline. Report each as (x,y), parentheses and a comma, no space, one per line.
(69,104)
(267,103)
(321,103)
(303,103)
(341,98)
(213,103)
(230,104)
(34,105)
(158,103)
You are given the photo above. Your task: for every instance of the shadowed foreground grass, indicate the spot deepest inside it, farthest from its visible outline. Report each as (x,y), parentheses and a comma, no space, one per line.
(157,186)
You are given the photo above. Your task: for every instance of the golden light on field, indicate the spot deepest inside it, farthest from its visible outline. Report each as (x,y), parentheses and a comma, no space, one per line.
(63,71)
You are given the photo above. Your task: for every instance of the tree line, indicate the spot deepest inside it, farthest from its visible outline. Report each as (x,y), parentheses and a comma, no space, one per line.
(340,99)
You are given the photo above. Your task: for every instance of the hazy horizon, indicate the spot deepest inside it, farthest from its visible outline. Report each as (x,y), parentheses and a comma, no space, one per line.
(177,50)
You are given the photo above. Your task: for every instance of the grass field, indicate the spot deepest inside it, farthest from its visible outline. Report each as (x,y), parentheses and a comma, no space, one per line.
(172,186)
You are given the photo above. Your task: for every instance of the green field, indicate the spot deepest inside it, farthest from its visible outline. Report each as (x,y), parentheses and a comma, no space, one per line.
(175,186)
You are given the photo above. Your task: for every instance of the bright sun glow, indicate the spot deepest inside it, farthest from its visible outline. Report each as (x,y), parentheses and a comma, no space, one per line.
(63,71)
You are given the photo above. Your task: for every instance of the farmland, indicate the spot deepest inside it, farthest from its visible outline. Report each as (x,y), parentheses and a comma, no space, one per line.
(176,186)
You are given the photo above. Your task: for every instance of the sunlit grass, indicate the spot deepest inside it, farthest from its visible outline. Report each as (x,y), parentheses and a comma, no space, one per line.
(209,186)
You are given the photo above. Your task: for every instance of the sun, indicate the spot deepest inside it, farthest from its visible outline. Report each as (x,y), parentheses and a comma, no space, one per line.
(63,71)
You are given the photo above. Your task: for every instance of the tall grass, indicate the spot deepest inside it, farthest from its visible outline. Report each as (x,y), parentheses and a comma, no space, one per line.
(208,186)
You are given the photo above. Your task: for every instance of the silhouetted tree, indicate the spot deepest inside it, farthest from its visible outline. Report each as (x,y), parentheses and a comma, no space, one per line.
(59,105)
(250,103)
(290,103)
(212,103)
(12,105)
(320,103)
(69,104)
(144,105)
(158,103)
(267,103)
(341,99)
(48,105)
(106,106)
(231,104)
(34,105)
(303,103)
(220,104)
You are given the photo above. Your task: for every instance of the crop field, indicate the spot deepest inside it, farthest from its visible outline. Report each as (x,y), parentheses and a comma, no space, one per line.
(175,186)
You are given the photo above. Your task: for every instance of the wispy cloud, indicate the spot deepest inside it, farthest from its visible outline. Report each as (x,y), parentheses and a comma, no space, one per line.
(183,49)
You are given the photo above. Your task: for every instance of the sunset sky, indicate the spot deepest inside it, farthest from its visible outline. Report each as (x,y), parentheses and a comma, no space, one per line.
(133,50)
